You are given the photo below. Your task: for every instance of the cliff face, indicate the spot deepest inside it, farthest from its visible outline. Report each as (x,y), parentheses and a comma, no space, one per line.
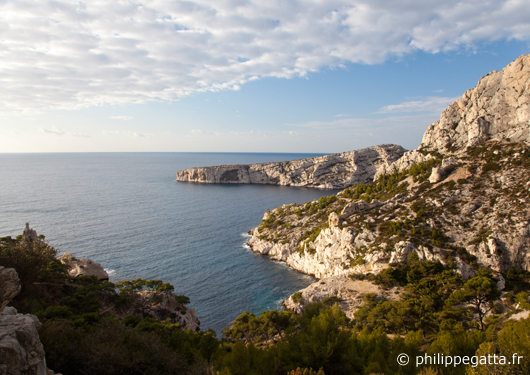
(479,207)
(462,198)
(83,267)
(21,351)
(497,108)
(325,172)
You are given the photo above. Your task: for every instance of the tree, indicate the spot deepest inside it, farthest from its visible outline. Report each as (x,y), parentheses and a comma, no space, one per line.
(478,293)
(28,259)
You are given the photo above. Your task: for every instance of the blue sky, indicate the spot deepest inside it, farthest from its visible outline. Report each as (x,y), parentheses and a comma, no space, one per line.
(240,75)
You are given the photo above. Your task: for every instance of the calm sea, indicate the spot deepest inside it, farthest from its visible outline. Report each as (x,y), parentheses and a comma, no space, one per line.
(127,212)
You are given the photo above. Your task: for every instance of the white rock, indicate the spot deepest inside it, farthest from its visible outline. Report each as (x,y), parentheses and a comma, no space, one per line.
(437,175)
(9,286)
(497,108)
(85,267)
(334,171)
(334,220)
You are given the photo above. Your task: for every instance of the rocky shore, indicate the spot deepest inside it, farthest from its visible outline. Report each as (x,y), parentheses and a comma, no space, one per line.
(463,198)
(21,350)
(335,171)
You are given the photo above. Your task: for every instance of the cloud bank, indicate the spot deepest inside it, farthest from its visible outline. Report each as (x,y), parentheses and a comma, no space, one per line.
(71,54)
(432,104)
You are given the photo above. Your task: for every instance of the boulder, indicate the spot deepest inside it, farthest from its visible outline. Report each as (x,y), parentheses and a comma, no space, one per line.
(84,267)
(9,286)
(21,352)
(334,220)
(437,175)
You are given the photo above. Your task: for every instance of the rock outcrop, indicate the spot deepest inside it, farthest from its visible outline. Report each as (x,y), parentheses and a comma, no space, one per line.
(347,292)
(497,108)
(408,159)
(158,306)
(463,198)
(21,352)
(83,267)
(335,171)
(9,286)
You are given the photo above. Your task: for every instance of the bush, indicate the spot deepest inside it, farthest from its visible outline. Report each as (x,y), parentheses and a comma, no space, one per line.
(490,166)
(108,347)
(30,260)
(182,299)
(297,297)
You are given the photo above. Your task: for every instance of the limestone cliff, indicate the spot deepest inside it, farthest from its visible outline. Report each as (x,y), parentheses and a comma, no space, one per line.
(497,108)
(84,267)
(462,198)
(21,351)
(334,171)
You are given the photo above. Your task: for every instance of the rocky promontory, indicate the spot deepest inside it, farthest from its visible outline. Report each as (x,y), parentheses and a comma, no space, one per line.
(83,267)
(335,171)
(462,198)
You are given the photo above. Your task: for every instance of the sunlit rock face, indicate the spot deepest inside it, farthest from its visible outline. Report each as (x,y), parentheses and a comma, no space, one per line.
(334,171)
(471,209)
(497,108)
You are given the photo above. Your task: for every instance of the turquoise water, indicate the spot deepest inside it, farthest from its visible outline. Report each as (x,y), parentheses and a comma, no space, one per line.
(127,212)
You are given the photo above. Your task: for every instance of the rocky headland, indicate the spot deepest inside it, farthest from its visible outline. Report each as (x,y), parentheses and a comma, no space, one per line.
(58,289)
(462,198)
(335,171)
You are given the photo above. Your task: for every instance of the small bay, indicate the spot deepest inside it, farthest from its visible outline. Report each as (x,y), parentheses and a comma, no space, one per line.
(127,212)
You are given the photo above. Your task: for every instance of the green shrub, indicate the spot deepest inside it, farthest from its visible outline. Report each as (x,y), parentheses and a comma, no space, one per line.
(182,299)
(297,297)
(490,166)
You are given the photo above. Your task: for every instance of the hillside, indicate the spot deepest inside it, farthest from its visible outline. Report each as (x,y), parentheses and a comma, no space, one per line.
(462,198)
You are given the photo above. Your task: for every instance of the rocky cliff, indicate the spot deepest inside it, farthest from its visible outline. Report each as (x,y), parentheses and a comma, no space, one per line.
(21,352)
(497,108)
(83,267)
(158,306)
(462,198)
(334,171)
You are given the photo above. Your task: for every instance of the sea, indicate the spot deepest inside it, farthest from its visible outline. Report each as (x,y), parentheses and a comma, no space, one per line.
(128,212)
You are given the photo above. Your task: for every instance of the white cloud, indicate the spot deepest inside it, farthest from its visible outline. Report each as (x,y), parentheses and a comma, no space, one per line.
(68,55)
(121,117)
(199,131)
(129,134)
(143,135)
(53,130)
(57,131)
(372,124)
(432,104)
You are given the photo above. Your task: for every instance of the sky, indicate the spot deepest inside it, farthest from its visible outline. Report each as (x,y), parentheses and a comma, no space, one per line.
(311,76)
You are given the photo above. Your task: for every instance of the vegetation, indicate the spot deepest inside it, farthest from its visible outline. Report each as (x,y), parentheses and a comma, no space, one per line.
(424,308)
(438,313)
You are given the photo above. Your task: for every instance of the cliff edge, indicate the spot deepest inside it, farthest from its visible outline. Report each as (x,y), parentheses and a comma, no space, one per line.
(462,198)
(335,171)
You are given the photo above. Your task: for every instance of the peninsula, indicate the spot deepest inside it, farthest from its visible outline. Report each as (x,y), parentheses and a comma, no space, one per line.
(335,171)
